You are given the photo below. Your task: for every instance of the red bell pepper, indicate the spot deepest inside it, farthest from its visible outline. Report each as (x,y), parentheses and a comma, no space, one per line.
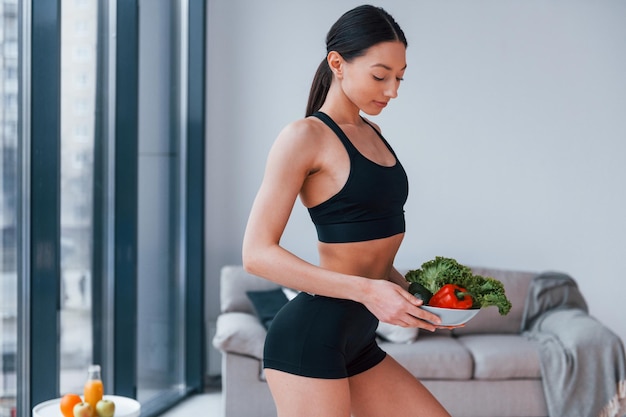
(451,296)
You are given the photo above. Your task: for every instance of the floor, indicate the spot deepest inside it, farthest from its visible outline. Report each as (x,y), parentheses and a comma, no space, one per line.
(205,404)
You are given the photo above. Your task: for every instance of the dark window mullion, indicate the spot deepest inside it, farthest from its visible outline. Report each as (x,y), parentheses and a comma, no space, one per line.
(45,218)
(194,233)
(125,207)
(99,239)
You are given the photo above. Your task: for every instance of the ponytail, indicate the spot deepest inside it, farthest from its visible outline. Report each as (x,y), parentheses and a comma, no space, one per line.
(319,88)
(355,31)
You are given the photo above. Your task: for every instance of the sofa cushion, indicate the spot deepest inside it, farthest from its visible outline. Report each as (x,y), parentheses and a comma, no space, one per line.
(502,356)
(432,357)
(234,282)
(240,333)
(267,304)
(488,320)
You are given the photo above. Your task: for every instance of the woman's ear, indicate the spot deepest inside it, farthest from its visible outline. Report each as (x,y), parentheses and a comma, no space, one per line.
(335,63)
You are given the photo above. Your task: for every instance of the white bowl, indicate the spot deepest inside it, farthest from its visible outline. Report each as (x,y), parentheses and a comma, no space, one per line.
(452,316)
(124,407)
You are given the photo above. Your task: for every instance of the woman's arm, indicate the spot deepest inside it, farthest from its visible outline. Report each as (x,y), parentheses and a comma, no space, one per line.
(292,158)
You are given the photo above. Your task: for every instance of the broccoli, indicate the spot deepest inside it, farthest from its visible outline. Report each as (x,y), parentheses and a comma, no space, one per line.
(485,291)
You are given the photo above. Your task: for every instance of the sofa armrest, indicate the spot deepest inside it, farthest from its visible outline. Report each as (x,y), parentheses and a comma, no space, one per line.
(240,333)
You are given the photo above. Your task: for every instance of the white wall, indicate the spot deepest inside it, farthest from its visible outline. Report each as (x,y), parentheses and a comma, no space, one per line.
(511,123)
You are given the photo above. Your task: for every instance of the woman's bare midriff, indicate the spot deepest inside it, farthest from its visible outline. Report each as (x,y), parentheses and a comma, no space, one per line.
(370,259)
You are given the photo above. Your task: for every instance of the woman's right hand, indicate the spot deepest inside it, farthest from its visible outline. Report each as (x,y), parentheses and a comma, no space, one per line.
(392,304)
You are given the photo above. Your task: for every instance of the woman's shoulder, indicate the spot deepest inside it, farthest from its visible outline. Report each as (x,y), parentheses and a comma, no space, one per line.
(303,133)
(304,128)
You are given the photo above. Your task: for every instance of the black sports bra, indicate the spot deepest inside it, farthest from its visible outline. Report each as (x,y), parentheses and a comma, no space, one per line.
(371,203)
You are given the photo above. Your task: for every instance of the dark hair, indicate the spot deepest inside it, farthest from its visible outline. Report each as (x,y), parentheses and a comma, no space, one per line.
(351,35)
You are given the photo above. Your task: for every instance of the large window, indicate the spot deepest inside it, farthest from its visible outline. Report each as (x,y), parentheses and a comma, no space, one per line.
(101,199)
(79,28)
(160,341)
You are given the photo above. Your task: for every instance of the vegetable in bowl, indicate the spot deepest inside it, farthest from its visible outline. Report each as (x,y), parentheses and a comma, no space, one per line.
(484,291)
(452,296)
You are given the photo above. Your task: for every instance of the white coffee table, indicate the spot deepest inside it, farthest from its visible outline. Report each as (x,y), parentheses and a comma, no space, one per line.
(124,407)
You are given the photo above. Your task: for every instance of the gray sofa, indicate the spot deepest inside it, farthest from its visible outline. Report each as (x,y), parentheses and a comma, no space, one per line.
(485,369)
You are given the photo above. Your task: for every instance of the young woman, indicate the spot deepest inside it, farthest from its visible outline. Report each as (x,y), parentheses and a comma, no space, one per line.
(321,356)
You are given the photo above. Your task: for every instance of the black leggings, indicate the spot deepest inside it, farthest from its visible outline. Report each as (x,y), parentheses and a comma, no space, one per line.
(322,337)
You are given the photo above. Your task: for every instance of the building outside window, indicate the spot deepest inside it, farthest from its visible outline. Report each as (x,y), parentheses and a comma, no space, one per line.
(9,90)
(78,101)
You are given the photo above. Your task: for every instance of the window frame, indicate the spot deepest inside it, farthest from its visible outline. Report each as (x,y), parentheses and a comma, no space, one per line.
(195,346)
(43,171)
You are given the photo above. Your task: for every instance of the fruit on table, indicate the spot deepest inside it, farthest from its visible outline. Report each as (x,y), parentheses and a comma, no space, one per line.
(105,408)
(68,401)
(83,409)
